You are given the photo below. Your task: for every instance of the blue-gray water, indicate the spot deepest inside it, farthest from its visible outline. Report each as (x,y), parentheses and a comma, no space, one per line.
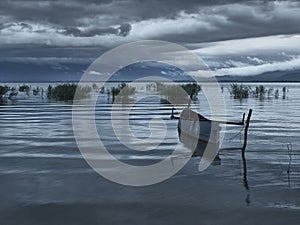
(40,163)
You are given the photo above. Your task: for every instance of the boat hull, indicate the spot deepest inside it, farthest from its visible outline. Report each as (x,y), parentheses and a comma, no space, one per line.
(198,133)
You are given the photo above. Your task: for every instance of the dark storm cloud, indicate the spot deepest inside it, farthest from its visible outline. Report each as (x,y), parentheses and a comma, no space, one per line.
(236,21)
(85,29)
(104,17)
(122,30)
(10,25)
(53,12)
(74,13)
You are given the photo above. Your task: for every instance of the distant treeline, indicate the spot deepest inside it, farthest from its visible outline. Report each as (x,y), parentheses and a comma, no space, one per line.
(67,92)
(121,92)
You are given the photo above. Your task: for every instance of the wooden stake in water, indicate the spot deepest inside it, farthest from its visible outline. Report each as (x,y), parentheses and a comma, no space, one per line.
(246,133)
(190,100)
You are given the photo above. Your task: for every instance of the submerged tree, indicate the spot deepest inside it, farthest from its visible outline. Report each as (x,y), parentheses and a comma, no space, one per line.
(276,93)
(239,91)
(49,91)
(243,91)
(36,91)
(24,88)
(66,92)
(10,92)
(191,88)
(13,92)
(260,92)
(178,93)
(3,91)
(284,90)
(122,92)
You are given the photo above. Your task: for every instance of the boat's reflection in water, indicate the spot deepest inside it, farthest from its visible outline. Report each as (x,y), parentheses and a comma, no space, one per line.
(198,146)
(202,137)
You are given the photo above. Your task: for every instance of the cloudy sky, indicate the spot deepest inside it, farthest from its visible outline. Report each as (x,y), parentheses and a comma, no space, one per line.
(55,39)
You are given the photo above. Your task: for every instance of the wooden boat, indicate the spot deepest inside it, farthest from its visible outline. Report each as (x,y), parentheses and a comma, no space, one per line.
(196,132)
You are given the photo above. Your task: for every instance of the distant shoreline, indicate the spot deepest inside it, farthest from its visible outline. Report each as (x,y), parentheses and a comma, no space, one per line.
(129,81)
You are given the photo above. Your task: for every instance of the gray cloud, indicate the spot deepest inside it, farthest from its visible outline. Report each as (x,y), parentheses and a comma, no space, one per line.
(252,69)
(122,30)
(85,29)
(226,22)
(226,19)
(73,12)
(11,25)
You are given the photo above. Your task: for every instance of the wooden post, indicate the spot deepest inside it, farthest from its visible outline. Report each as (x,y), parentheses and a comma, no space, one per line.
(246,132)
(243,120)
(190,100)
(172,117)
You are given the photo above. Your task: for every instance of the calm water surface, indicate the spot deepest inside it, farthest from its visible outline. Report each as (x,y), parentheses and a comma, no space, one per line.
(37,140)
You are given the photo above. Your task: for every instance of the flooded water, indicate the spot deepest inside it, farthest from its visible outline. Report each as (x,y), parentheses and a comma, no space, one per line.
(41,165)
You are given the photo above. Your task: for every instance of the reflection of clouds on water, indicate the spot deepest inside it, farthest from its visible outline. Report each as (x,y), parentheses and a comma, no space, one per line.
(37,130)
